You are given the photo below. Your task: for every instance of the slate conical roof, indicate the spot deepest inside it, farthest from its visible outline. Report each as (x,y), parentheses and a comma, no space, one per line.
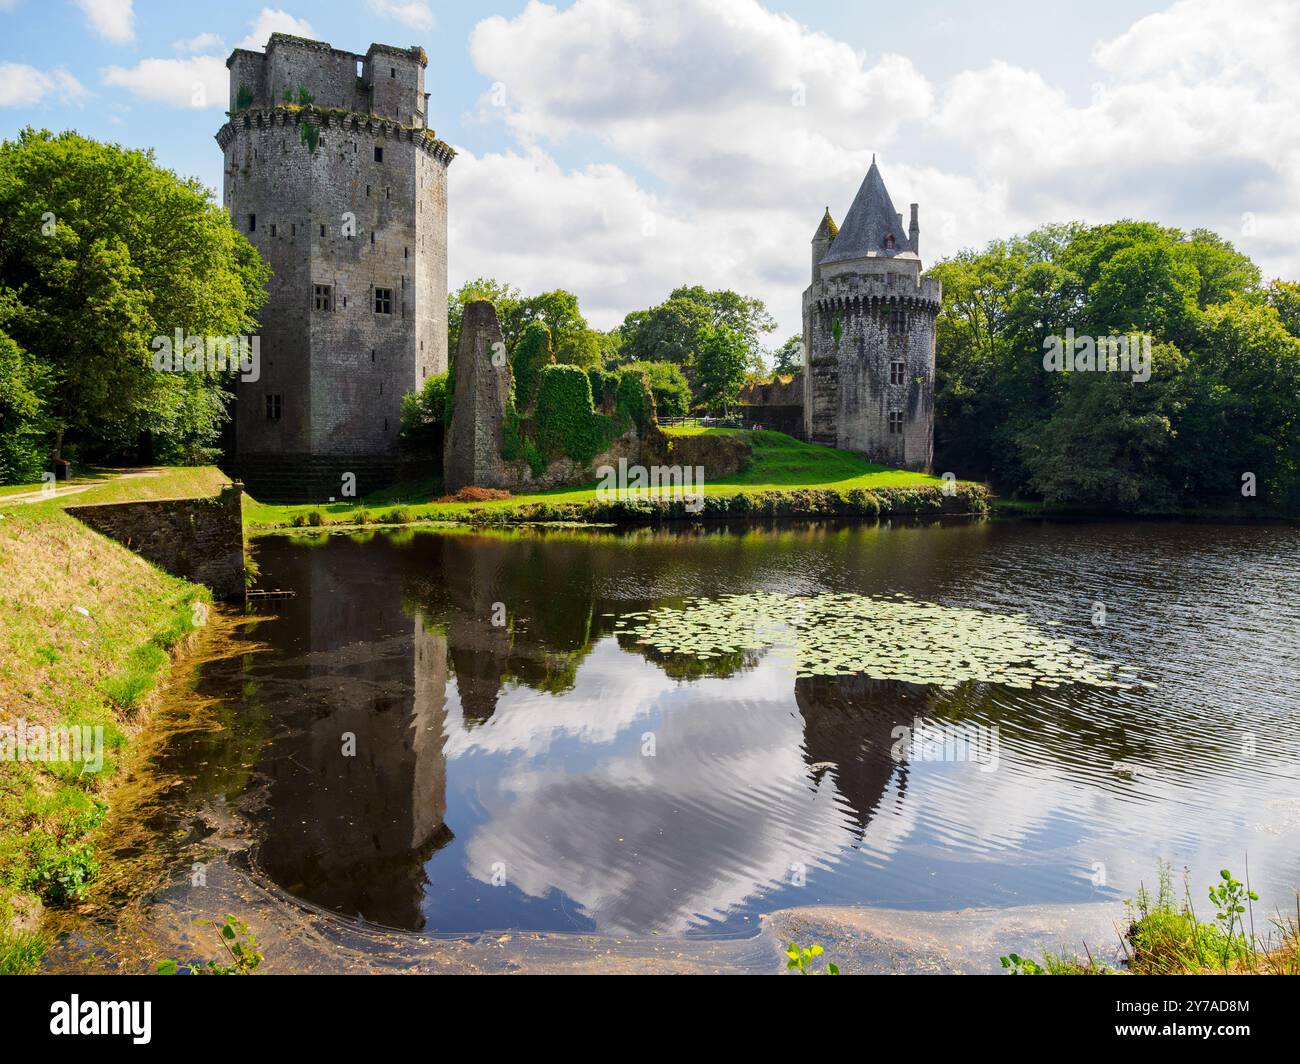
(870,220)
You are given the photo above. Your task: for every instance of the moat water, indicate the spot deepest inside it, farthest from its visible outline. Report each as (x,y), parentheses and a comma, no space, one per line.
(444,732)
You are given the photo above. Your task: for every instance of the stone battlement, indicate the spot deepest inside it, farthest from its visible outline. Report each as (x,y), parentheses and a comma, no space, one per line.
(386,80)
(843,288)
(283,115)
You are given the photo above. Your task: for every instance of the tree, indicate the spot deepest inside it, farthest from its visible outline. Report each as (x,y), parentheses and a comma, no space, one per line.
(425,414)
(788,358)
(1244,417)
(559,312)
(581,349)
(720,366)
(22,422)
(670,332)
(669,386)
(1110,441)
(1284,297)
(102,251)
(744,314)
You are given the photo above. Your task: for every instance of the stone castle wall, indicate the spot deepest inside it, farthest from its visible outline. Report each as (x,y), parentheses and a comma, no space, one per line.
(365,211)
(883,318)
(198,539)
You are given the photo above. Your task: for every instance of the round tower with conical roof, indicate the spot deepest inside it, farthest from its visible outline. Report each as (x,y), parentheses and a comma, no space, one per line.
(868,332)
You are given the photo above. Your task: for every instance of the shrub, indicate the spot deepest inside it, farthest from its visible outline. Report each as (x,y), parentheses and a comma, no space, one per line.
(315,518)
(668,385)
(399,515)
(424,418)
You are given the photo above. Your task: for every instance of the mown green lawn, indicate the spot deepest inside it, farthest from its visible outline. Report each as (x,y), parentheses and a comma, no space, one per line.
(121,485)
(780,463)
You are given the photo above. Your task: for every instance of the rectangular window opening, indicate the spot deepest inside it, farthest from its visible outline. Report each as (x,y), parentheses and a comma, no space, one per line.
(383,300)
(323,296)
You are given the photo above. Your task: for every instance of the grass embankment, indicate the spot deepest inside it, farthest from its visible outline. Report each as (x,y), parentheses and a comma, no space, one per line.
(1167,936)
(86,632)
(785,478)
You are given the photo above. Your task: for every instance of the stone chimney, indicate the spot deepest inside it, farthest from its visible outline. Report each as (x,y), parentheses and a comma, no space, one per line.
(914,233)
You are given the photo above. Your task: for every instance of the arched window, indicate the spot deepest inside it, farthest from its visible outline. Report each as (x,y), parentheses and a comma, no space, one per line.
(889,242)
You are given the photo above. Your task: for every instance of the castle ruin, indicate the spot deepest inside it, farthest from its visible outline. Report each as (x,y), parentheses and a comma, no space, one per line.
(333,174)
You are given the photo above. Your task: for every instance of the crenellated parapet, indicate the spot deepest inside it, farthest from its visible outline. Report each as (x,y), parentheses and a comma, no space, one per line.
(874,293)
(293,115)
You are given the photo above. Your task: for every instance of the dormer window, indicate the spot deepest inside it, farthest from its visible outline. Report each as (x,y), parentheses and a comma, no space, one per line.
(889,242)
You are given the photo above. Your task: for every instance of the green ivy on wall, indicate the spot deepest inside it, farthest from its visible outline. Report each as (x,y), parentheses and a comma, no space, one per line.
(566,421)
(531,355)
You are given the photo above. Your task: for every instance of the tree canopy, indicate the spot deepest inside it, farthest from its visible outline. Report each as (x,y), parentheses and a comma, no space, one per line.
(101,250)
(1220,402)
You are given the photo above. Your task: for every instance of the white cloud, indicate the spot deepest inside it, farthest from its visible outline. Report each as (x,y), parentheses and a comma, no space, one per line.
(202,43)
(22,85)
(748,123)
(272,20)
(201,81)
(413,13)
(111,19)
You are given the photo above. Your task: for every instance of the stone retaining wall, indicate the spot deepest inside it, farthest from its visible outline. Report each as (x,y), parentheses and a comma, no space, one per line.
(198,539)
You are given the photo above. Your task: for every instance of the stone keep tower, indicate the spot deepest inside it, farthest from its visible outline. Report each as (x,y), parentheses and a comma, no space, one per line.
(332,173)
(868,333)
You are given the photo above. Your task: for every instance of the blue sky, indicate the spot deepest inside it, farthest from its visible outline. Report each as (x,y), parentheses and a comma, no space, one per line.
(640,146)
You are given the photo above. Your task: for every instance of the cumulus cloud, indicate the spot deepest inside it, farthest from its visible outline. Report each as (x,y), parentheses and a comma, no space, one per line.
(272,20)
(202,43)
(731,126)
(22,85)
(201,81)
(413,13)
(113,20)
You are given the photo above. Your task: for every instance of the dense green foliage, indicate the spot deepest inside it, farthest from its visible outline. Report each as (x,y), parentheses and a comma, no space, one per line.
(669,386)
(721,362)
(566,420)
(22,425)
(572,340)
(789,356)
(101,250)
(675,330)
(1220,402)
(425,415)
(527,360)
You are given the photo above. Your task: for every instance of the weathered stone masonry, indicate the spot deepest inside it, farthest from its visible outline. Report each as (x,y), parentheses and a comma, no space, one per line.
(869,318)
(197,539)
(346,199)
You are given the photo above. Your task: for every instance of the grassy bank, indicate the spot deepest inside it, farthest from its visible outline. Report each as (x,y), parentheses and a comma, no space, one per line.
(785,478)
(86,632)
(1169,933)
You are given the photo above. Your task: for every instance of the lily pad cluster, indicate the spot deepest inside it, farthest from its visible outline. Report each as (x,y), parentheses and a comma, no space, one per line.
(886,638)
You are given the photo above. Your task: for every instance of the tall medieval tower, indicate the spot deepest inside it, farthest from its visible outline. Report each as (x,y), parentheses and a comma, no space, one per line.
(868,333)
(333,174)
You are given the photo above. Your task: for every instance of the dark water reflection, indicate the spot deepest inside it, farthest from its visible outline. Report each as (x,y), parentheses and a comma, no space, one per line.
(500,776)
